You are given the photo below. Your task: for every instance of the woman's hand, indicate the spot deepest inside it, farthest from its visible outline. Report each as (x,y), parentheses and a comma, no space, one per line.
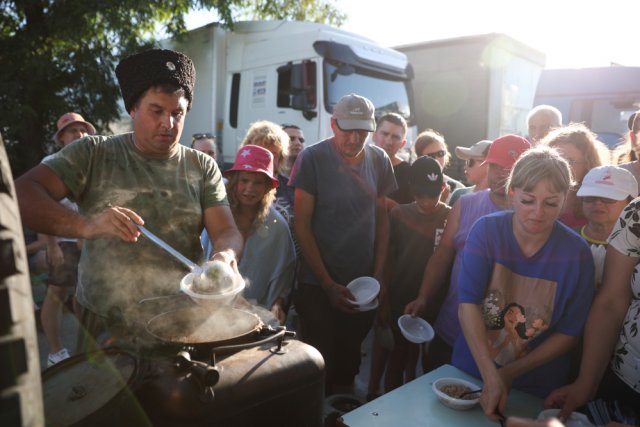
(494,397)
(524,422)
(569,397)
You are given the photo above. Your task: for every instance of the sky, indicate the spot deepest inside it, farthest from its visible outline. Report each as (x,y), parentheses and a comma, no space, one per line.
(571,33)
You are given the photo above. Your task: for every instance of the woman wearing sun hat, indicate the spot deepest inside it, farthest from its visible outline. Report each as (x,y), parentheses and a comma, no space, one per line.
(268,259)
(604,192)
(72,124)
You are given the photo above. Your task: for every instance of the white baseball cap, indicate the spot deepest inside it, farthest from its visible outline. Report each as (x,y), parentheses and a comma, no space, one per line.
(477,150)
(611,182)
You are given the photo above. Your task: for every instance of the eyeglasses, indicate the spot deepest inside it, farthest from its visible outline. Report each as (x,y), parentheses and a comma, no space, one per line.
(197,136)
(360,132)
(604,200)
(437,154)
(472,162)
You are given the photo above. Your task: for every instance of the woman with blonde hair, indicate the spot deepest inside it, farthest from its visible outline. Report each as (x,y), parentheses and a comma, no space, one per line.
(271,136)
(582,150)
(431,143)
(527,261)
(268,258)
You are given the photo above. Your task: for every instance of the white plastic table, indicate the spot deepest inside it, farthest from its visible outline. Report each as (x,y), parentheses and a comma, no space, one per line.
(415,404)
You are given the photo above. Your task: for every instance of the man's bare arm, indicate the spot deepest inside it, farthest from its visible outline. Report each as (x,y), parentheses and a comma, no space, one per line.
(39,191)
(439,265)
(224,234)
(304,206)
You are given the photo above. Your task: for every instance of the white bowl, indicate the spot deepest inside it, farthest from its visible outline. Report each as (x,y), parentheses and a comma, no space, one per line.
(576,419)
(211,300)
(364,289)
(415,329)
(451,402)
(369,306)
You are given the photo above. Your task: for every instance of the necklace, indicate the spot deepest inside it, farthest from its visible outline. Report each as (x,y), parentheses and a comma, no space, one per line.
(591,239)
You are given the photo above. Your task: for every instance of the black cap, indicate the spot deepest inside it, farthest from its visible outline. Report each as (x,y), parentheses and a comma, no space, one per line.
(426,177)
(137,73)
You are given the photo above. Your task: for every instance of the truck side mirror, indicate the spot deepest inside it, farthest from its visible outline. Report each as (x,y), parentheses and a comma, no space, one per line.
(297,87)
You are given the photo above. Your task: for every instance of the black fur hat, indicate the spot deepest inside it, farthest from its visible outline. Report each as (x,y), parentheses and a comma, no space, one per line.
(137,73)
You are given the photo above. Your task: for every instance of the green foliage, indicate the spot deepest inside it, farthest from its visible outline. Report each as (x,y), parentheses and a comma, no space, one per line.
(322,11)
(60,55)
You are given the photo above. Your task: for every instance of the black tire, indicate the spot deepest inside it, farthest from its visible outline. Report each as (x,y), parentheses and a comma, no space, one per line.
(20,384)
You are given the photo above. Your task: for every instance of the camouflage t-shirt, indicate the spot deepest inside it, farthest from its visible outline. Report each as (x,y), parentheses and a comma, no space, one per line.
(169,194)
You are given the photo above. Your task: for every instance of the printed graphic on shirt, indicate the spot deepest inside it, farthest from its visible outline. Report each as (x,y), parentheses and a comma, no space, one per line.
(516,309)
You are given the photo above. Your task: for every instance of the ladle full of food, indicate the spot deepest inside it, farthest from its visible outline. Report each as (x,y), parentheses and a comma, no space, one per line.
(213,283)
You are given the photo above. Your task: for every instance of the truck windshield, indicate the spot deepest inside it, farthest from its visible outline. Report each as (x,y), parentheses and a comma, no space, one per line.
(388,95)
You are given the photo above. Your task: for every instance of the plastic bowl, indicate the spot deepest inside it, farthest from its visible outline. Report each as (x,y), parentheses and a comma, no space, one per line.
(364,289)
(451,402)
(576,419)
(211,300)
(415,329)
(369,306)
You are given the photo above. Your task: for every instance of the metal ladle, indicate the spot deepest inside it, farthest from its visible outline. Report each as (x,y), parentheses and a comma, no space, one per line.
(195,268)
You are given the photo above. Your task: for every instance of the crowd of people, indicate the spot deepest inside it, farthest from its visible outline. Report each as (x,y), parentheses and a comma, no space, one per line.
(510,270)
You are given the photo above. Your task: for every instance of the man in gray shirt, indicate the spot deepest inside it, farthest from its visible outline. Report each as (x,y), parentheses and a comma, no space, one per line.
(341,226)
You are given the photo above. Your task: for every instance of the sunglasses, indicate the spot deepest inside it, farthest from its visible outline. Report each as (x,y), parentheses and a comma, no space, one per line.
(437,154)
(472,162)
(604,200)
(197,136)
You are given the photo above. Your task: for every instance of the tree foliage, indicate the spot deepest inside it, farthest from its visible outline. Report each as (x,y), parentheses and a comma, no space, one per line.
(60,55)
(299,10)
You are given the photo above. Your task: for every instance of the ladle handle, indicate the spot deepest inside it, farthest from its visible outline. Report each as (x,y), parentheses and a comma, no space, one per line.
(158,241)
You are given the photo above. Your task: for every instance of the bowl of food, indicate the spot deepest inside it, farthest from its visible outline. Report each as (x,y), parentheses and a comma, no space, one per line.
(217,285)
(364,289)
(415,329)
(451,393)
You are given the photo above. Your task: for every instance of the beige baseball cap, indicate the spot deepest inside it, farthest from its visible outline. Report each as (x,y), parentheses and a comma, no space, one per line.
(355,112)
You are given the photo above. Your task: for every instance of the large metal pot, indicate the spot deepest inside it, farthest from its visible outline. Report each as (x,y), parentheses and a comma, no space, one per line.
(202,330)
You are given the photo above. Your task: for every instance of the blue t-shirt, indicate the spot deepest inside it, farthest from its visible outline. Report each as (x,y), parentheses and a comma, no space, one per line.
(344,217)
(524,299)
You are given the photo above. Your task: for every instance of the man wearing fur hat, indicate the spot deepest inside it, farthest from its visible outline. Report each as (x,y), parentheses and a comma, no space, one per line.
(144,177)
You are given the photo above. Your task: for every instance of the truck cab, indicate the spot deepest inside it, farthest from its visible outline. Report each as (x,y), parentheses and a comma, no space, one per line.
(286,72)
(602,98)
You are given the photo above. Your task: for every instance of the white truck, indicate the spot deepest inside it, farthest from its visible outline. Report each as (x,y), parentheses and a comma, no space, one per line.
(286,72)
(602,98)
(473,88)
